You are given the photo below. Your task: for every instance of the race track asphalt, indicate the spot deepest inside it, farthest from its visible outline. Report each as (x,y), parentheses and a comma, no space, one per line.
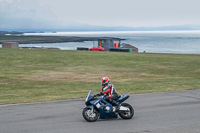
(166,112)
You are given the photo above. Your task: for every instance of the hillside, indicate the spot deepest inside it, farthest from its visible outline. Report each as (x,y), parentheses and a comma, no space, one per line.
(48,39)
(10,32)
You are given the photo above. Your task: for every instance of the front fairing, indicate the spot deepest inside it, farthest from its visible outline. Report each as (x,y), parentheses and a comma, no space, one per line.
(89,97)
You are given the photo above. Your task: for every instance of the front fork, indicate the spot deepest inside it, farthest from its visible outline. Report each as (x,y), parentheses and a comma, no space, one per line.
(92,108)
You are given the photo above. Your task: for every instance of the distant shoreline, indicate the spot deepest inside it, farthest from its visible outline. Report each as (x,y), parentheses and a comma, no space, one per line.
(21,39)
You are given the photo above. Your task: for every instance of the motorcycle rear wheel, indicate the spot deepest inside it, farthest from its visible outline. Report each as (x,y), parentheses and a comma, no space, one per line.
(127,114)
(89,115)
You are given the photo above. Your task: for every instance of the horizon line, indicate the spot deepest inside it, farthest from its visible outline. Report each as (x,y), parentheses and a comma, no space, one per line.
(114,32)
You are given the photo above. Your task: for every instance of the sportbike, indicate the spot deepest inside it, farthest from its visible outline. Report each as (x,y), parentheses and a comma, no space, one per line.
(98,108)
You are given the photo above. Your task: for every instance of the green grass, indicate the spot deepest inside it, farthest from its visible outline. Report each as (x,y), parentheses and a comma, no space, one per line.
(47,75)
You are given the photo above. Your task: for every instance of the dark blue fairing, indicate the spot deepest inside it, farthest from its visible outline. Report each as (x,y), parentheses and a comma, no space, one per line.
(122,98)
(107,115)
(104,114)
(102,106)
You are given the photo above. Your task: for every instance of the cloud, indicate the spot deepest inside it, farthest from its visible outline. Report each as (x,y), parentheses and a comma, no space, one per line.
(54,14)
(24,14)
(23,8)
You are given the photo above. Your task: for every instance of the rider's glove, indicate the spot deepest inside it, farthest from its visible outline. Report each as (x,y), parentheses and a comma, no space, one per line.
(99,94)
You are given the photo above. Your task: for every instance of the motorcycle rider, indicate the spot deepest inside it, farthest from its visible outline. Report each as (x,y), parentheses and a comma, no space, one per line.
(110,91)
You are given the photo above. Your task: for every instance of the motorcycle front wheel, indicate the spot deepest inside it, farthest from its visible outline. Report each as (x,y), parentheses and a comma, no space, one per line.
(90,115)
(127,114)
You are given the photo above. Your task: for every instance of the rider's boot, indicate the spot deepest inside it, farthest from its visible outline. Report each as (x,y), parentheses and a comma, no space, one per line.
(116,105)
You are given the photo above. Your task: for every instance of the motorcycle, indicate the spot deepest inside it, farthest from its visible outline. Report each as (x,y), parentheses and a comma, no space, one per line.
(98,108)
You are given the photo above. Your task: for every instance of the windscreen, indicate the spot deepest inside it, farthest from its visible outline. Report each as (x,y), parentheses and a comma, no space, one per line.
(89,95)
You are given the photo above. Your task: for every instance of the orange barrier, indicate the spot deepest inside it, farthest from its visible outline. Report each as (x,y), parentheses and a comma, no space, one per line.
(114,44)
(117,44)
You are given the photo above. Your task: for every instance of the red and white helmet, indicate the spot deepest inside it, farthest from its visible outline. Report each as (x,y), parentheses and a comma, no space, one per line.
(105,81)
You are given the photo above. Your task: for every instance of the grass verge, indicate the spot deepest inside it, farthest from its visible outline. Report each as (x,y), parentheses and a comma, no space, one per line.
(47,75)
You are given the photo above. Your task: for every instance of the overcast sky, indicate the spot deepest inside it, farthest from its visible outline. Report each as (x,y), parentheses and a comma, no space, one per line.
(131,13)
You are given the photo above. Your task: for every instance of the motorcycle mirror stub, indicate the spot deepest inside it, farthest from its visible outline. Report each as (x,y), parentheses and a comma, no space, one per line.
(98,105)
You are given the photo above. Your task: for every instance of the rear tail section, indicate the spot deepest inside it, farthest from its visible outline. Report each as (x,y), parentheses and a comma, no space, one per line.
(122,98)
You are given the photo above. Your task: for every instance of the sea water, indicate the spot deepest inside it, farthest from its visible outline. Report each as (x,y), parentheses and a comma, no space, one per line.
(183,42)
